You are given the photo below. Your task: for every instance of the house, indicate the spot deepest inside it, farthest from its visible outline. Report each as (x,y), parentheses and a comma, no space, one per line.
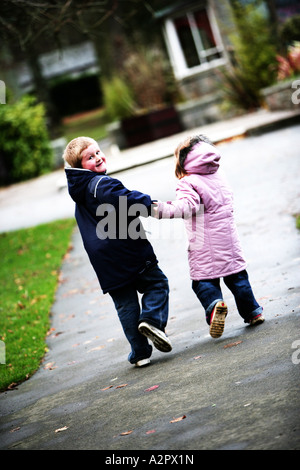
(195,42)
(196,34)
(72,73)
(196,37)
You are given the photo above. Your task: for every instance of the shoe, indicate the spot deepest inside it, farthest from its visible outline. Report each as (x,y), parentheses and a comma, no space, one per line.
(217,319)
(142,363)
(158,337)
(257,320)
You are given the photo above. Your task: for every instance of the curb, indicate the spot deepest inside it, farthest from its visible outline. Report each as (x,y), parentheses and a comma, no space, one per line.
(273,126)
(248,131)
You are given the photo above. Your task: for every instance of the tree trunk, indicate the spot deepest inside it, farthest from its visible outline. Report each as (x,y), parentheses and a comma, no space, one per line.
(42,90)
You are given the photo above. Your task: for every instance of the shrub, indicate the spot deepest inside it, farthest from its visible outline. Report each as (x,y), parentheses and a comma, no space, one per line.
(118,99)
(25,150)
(150,77)
(290,30)
(254,58)
(146,82)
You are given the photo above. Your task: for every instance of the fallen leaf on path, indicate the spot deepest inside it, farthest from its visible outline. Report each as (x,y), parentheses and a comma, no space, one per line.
(50,366)
(154,387)
(61,429)
(125,433)
(96,349)
(50,331)
(230,345)
(15,429)
(175,420)
(12,385)
(111,386)
(106,388)
(71,292)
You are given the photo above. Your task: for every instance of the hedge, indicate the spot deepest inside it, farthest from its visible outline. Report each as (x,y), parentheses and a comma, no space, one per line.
(25,150)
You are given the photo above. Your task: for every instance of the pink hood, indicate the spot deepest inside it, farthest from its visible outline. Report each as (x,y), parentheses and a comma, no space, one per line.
(203,159)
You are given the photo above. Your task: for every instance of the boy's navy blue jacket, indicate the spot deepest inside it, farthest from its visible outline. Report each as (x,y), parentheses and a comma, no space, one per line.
(117,260)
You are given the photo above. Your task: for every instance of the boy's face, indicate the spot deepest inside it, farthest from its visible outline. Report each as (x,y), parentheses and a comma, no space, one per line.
(93,159)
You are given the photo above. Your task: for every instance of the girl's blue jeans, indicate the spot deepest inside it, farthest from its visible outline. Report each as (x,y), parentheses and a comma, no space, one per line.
(153,308)
(209,293)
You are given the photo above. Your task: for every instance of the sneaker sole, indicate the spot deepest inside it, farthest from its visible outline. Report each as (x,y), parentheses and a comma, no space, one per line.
(158,338)
(142,363)
(257,321)
(217,325)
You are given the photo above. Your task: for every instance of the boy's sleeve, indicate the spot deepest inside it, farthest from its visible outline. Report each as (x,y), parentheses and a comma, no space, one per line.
(109,190)
(186,205)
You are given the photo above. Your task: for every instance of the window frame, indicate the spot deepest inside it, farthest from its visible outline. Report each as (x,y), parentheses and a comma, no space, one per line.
(177,58)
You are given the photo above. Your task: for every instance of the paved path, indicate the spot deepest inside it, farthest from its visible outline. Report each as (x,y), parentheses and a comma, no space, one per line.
(238,392)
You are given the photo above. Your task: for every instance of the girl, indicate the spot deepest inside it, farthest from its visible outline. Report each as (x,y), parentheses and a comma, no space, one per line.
(204,200)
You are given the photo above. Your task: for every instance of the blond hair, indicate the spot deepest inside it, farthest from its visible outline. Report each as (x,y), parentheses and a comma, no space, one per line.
(72,154)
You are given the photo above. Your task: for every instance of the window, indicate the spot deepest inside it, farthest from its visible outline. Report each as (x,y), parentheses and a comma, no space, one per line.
(193,42)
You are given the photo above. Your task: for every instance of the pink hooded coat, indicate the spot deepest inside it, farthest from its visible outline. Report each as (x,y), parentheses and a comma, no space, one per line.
(205,201)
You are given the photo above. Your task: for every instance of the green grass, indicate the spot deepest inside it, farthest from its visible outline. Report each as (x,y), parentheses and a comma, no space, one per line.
(30,265)
(91,124)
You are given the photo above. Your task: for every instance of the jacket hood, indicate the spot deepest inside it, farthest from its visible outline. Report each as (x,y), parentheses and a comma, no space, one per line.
(78,180)
(203,159)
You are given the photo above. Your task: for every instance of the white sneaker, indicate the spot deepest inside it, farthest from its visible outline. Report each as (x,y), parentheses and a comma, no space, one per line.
(158,337)
(142,363)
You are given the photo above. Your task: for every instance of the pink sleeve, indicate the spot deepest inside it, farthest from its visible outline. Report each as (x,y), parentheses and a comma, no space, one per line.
(187,203)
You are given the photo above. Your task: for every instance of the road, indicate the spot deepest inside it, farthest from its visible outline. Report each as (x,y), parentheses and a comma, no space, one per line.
(239,392)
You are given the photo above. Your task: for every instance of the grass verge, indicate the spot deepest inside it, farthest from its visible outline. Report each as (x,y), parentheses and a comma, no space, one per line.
(30,264)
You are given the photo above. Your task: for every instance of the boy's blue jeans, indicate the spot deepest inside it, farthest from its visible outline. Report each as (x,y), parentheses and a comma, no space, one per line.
(154,309)
(209,293)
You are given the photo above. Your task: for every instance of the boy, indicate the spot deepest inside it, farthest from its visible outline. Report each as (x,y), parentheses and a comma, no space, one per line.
(121,255)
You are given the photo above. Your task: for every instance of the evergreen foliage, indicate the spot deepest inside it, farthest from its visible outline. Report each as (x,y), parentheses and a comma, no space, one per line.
(254,64)
(25,150)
